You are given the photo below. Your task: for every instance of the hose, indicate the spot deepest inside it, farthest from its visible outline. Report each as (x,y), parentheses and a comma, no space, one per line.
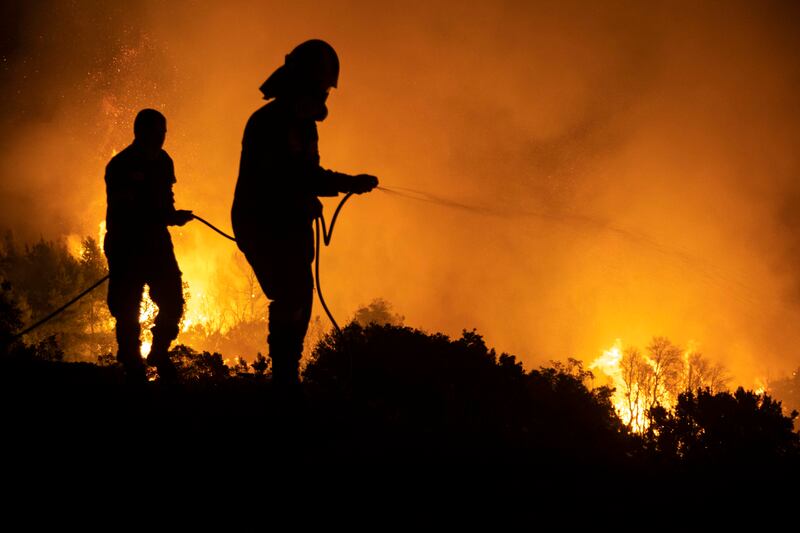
(327,235)
(60,309)
(325,232)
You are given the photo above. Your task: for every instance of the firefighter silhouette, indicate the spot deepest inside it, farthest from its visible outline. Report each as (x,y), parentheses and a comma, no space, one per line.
(138,245)
(276,198)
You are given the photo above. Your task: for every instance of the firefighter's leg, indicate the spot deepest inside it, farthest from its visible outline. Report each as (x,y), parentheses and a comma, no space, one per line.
(285,276)
(124,297)
(289,313)
(167,293)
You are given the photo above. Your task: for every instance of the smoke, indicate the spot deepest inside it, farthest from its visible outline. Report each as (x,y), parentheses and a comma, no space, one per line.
(671,126)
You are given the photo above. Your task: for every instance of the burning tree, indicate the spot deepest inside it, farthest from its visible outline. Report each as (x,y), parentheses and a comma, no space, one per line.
(636,377)
(228,318)
(700,373)
(644,381)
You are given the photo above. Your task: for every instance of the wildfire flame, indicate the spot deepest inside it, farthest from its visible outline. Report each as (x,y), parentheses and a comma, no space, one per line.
(760,386)
(147,314)
(198,313)
(101,233)
(643,380)
(629,401)
(195,313)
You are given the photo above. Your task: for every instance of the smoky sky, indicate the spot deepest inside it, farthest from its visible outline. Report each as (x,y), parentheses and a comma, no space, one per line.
(639,159)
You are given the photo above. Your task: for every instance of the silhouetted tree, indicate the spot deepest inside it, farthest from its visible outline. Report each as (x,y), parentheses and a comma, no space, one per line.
(379,312)
(43,276)
(787,390)
(10,315)
(743,432)
(46,348)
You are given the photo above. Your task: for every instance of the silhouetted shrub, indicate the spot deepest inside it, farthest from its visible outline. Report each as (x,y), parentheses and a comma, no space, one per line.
(202,366)
(431,393)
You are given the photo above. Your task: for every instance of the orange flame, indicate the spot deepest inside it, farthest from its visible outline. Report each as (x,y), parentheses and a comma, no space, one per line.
(147,314)
(629,401)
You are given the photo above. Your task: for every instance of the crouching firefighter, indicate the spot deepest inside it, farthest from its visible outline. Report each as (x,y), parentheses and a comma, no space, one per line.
(138,246)
(276,198)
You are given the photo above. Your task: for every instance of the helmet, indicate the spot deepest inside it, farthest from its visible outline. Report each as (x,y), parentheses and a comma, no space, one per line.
(314,61)
(312,64)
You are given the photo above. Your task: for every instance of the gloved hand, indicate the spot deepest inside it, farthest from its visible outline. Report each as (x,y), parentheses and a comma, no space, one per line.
(363,183)
(181,217)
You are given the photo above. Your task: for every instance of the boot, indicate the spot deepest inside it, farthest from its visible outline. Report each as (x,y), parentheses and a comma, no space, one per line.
(135,372)
(290,402)
(285,372)
(159,358)
(132,365)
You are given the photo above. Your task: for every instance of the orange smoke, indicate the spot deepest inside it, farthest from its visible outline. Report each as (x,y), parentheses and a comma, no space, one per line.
(670,128)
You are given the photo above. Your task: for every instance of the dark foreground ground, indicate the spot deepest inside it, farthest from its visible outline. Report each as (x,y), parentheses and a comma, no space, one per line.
(80,415)
(397,413)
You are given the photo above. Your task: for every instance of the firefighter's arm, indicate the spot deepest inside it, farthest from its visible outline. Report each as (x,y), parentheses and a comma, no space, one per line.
(331,183)
(326,182)
(172,216)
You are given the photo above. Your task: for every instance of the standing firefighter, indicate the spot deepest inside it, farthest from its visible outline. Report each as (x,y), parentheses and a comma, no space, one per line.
(276,202)
(138,246)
